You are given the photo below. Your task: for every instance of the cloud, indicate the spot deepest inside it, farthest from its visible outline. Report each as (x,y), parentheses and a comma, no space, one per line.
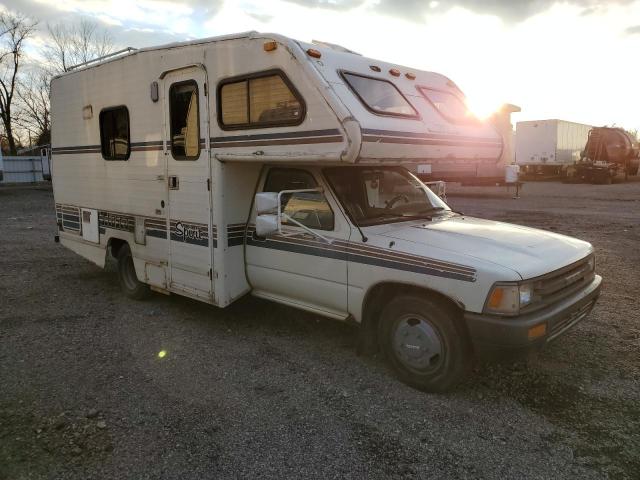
(510,11)
(329,4)
(146,23)
(635,30)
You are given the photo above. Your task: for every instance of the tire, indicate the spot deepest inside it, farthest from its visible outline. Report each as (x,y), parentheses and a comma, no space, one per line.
(129,283)
(438,355)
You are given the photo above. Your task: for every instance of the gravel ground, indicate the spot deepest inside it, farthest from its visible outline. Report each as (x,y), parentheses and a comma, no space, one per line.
(260,390)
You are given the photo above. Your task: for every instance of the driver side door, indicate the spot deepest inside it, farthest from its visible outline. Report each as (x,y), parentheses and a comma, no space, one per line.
(296,267)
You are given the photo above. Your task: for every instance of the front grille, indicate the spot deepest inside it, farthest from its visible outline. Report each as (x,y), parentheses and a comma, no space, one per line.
(553,287)
(570,320)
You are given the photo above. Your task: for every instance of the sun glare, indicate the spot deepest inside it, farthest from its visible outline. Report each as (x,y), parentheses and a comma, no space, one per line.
(483,107)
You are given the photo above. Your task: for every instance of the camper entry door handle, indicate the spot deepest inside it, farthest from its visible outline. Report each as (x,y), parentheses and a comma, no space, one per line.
(173,182)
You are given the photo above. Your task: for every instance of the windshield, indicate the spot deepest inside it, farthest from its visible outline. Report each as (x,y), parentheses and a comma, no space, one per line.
(374,195)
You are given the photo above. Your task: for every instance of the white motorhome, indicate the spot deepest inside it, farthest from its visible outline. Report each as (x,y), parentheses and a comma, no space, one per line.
(254,163)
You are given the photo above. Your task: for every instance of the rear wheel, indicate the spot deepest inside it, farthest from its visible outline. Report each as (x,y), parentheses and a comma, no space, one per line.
(129,283)
(421,342)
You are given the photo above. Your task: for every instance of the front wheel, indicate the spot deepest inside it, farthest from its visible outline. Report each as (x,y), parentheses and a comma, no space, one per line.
(129,283)
(420,340)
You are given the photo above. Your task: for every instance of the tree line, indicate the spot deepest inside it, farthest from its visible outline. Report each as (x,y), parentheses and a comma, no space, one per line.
(27,67)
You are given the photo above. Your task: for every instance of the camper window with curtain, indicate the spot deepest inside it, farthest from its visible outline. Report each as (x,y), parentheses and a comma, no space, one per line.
(265,99)
(114,133)
(185,124)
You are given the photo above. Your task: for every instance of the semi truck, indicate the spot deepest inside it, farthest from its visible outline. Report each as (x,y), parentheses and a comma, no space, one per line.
(257,164)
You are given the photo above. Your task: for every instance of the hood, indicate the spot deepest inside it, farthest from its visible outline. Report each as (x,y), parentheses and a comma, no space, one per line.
(528,251)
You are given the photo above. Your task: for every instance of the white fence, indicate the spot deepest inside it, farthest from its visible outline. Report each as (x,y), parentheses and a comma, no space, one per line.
(22,169)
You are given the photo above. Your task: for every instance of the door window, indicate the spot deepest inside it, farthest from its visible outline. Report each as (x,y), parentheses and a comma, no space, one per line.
(309,208)
(185,121)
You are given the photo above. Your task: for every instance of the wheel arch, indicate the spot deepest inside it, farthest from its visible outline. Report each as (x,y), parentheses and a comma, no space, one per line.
(114,244)
(380,294)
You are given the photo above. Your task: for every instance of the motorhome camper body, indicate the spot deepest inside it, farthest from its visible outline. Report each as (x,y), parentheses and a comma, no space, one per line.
(158,155)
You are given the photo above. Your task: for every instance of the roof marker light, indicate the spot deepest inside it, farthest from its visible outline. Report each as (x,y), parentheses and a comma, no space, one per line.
(395,72)
(410,76)
(270,46)
(375,68)
(312,52)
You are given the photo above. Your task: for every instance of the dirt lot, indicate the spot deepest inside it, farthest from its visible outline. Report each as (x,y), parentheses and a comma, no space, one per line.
(260,390)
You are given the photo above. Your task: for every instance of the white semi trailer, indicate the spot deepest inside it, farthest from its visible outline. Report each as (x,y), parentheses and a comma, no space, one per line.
(547,147)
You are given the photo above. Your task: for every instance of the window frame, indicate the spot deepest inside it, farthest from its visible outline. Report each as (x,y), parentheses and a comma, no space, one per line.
(448,118)
(100,116)
(185,157)
(250,76)
(343,74)
(317,185)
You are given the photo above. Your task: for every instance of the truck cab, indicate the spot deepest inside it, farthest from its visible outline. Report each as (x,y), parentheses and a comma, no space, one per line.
(428,285)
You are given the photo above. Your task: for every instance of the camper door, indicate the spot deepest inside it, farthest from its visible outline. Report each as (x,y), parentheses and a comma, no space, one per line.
(187,157)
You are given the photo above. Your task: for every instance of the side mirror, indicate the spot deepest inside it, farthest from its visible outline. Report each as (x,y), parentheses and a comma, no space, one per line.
(266,203)
(267,225)
(267,220)
(269,216)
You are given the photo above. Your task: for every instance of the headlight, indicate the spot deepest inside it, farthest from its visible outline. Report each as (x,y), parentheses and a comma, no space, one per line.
(509,299)
(592,263)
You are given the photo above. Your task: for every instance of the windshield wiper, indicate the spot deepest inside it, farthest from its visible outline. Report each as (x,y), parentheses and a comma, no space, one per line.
(399,217)
(432,210)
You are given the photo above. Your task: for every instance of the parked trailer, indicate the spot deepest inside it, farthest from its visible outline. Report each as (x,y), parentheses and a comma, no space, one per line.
(609,152)
(548,147)
(254,163)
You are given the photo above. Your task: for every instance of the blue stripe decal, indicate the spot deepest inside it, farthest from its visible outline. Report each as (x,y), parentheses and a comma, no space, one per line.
(71,225)
(203,242)
(157,234)
(338,253)
(270,136)
(235,241)
(427,136)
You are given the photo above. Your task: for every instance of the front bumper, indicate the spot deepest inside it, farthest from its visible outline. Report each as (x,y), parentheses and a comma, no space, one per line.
(491,334)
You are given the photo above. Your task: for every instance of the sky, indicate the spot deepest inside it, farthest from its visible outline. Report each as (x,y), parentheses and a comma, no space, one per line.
(575,60)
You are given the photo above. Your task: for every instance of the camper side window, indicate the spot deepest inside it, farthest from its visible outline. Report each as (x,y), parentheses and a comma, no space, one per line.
(448,105)
(264,99)
(379,96)
(114,133)
(185,121)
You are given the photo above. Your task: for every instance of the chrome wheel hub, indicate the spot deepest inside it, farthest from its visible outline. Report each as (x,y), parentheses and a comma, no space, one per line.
(417,344)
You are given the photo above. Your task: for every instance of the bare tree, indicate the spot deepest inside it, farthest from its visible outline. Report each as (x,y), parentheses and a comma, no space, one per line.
(72,44)
(69,45)
(34,106)
(14,30)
